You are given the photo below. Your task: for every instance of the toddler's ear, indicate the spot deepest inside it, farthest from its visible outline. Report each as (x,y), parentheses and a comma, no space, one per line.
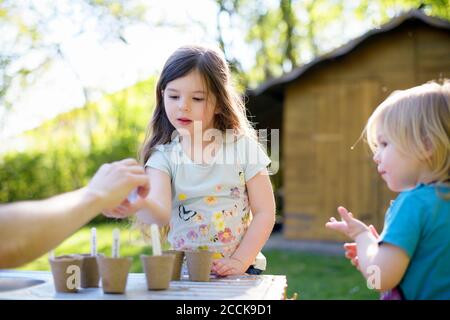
(428,147)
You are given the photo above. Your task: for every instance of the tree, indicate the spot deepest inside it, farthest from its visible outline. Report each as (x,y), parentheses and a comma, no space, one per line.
(30,45)
(382,10)
(285,34)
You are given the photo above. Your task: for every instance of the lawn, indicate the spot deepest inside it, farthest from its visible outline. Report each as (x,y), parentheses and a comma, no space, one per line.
(311,276)
(314,276)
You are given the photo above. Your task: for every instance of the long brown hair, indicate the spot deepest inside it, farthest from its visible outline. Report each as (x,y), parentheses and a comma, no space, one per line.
(211,64)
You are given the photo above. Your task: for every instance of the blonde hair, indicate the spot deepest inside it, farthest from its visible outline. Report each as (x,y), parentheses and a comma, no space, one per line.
(417,122)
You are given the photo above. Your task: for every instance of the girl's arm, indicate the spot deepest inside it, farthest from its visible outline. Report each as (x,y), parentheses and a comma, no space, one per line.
(262,204)
(384,262)
(157,206)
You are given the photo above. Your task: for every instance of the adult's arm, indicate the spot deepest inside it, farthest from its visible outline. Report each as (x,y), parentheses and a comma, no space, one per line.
(28,229)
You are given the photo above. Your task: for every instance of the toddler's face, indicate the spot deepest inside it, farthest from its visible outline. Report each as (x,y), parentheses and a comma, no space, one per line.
(400,171)
(186,101)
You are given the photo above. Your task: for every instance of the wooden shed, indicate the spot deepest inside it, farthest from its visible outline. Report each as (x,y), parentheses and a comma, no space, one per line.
(321,109)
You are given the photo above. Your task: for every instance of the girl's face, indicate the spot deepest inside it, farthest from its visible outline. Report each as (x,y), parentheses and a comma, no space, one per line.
(186,101)
(400,171)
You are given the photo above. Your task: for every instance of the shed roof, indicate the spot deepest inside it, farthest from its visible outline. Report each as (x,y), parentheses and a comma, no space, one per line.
(274,87)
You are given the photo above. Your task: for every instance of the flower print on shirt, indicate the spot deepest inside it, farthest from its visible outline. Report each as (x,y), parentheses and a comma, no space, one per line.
(182,197)
(217,216)
(218,221)
(203,229)
(219,188)
(225,236)
(192,235)
(210,200)
(228,251)
(241,178)
(217,255)
(219,225)
(213,238)
(230,213)
(245,200)
(235,193)
(203,248)
(246,219)
(179,243)
(198,218)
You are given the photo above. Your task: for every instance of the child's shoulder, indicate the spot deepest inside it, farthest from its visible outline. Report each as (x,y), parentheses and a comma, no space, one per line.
(427,190)
(243,140)
(244,144)
(425,195)
(167,147)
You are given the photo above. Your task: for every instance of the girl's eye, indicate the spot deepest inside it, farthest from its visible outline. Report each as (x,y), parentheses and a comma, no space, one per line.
(198,99)
(173,97)
(382,144)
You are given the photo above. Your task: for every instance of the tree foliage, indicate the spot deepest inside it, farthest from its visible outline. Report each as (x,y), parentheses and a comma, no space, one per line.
(284,34)
(63,153)
(33,35)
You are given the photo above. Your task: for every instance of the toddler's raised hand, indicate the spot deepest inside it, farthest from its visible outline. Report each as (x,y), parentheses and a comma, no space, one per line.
(348,225)
(350,248)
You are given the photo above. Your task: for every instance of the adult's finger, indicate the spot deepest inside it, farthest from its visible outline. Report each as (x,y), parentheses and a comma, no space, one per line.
(137,169)
(127,162)
(143,190)
(140,180)
(107,213)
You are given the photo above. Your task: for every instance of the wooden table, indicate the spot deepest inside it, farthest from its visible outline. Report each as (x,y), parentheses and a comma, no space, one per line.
(248,287)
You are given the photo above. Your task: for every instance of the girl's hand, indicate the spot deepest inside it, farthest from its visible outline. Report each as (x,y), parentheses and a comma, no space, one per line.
(127,208)
(350,248)
(228,266)
(348,225)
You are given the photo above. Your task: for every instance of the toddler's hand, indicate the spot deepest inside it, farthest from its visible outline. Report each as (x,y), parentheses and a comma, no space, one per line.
(350,248)
(228,267)
(348,225)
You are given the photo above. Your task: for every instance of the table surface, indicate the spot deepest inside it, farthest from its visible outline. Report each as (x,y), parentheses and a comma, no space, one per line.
(246,287)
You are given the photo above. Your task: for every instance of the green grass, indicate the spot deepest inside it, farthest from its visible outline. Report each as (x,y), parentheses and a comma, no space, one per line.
(314,276)
(311,276)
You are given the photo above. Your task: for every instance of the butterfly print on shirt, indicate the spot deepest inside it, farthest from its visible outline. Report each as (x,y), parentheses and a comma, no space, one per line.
(185,214)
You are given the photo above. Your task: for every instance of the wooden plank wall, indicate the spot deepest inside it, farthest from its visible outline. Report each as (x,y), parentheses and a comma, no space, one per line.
(325,113)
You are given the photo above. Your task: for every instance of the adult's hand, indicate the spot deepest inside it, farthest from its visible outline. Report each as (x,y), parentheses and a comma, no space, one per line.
(113,182)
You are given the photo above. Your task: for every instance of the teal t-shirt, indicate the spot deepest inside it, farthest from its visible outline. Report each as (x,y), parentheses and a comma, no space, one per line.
(418,221)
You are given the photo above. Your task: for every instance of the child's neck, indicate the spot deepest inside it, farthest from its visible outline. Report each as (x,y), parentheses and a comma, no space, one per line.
(425,178)
(194,148)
